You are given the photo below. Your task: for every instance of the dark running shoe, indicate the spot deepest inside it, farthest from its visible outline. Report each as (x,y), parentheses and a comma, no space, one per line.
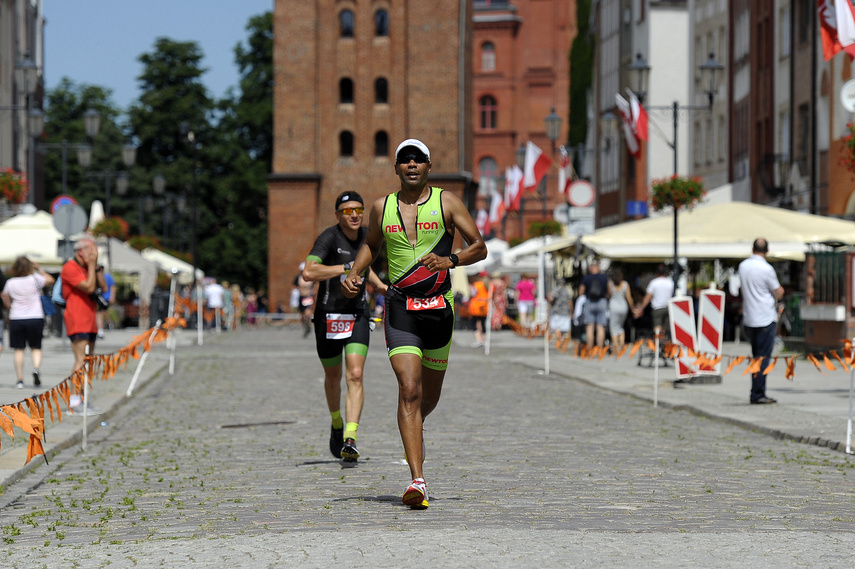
(336,440)
(37,381)
(349,452)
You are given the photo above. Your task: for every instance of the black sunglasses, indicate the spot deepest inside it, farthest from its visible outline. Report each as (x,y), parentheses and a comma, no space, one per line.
(418,158)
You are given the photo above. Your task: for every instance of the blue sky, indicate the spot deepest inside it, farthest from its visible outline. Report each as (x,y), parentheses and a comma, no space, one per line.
(98,42)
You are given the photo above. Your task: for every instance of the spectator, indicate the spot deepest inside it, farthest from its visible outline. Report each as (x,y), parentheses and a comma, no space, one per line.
(22,295)
(479,306)
(595,313)
(560,310)
(524,299)
(214,297)
(620,303)
(659,292)
(760,293)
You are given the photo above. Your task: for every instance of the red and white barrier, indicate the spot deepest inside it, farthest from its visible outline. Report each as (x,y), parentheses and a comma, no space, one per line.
(681,313)
(711,326)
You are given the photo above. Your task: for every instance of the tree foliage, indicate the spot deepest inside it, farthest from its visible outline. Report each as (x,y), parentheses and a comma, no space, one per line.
(218,152)
(581,73)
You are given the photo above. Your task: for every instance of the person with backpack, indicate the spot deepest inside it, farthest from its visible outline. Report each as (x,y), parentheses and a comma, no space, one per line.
(81,276)
(595,313)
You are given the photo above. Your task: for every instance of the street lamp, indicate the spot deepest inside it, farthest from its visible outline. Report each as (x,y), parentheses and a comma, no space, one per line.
(28,76)
(710,72)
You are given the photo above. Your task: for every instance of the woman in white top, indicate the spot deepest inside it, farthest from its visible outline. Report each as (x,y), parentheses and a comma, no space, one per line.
(22,296)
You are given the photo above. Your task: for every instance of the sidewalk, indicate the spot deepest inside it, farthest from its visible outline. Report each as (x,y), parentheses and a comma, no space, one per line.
(813,408)
(105,396)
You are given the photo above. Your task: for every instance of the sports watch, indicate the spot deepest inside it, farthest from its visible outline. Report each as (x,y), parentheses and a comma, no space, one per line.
(454,260)
(347,267)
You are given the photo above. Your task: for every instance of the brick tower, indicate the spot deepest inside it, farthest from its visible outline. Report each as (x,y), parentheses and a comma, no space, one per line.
(352,80)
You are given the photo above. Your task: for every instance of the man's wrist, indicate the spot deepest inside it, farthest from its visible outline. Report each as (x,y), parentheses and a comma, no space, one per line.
(347,267)
(454,259)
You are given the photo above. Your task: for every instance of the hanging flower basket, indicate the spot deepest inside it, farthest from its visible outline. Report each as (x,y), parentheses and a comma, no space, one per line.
(676,192)
(847,152)
(13,186)
(111,227)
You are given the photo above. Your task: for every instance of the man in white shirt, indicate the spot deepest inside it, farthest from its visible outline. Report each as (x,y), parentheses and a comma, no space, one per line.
(659,292)
(214,293)
(761,292)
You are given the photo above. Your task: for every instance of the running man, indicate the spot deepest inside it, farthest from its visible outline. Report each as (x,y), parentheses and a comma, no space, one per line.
(418,224)
(341,323)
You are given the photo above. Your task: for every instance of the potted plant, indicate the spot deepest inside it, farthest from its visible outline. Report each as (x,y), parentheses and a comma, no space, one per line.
(111,227)
(677,192)
(13,186)
(847,151)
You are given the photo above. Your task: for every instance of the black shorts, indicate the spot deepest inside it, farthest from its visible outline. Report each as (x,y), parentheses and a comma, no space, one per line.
(28,332)
(426,333)
(330,349)
(87,336)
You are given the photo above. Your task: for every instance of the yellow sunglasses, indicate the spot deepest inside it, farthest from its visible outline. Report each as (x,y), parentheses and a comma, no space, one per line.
(352,210)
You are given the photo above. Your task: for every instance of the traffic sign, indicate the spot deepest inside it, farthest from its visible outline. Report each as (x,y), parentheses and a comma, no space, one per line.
(70,219)
(61,200)
(581,194)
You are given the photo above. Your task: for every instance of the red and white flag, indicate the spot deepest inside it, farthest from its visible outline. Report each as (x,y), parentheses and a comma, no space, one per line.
(828,29)
(513,187)
(846,25)
(497,208)
(482,221)
(639,116)
(536,165)
(837,27)
(631,137)
(565,170)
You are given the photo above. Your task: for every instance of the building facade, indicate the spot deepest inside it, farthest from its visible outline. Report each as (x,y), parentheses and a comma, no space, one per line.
(521,70)
(21,47)
(352,80)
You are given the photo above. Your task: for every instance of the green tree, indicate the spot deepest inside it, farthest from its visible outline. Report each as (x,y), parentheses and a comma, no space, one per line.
(174,103)
(66,105)
(581,74)
(237,246)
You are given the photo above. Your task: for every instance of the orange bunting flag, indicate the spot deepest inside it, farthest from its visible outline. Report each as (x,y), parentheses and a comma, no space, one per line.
(770,367)
(651,346)
(754,366)
(635,347)
(791,368)
(35,448)
(812,359)
(622,351)
(839,359)
(21,420)
(7,425)
(828,365)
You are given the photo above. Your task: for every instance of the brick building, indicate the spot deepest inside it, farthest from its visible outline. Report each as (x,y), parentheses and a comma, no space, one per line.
(353,79)
(521,67)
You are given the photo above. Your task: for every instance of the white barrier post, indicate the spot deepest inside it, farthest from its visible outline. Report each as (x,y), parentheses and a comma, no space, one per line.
(655,371)
(200,323)
(488,323)
(85,402)
(142,360)
(170,339)
(849,422)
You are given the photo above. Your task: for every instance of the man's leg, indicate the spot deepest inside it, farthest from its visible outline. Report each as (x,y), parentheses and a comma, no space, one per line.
(762,343)
(408,369)
(355,397)
(78,348)
(601,335)
(589,335)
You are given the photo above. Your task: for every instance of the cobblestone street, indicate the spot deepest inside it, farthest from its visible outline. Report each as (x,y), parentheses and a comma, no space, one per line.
(226,463)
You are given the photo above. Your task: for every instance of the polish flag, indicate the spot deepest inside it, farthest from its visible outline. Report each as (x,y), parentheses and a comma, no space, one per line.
(482,221)
(513,188)
(639,116)
(536,165)
(632,143)
(828,28)
(497,209)
(565,170)
(846,25)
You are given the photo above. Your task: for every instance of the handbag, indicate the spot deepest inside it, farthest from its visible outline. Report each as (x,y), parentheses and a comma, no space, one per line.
(47,305)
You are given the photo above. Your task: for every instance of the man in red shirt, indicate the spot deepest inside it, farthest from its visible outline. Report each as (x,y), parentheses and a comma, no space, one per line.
(81,276)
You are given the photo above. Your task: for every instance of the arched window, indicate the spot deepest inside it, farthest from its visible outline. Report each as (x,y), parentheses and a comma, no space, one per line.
(487,175)
(487,112)
(345,21)
(381,90)
(345,143)
(345,90)
(381,144)
(381,23)
(488,56)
